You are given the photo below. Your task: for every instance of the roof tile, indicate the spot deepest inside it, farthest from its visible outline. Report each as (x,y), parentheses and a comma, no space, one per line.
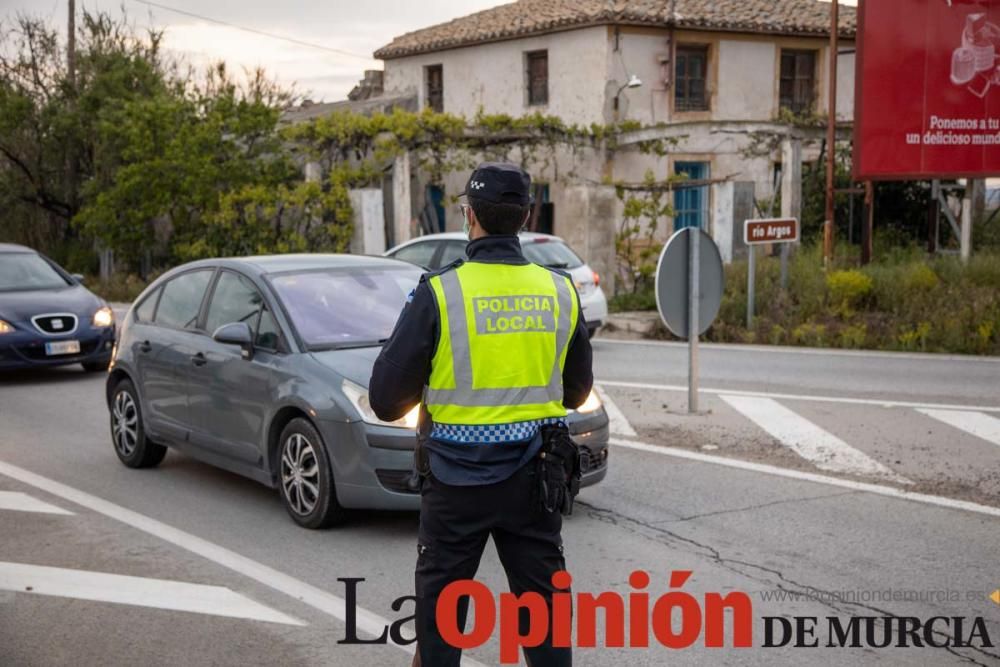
(532,17)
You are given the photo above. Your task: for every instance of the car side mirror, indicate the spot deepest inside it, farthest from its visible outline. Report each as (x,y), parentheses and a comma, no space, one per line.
(237,333)
(78,277)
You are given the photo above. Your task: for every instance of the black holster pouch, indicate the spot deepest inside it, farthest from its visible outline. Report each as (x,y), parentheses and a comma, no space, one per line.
(421,462)
(558,469)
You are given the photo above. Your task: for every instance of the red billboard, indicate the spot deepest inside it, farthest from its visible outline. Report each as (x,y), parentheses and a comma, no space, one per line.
(927,99)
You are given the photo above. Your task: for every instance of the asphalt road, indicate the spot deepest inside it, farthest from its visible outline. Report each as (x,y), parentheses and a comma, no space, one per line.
(770,491)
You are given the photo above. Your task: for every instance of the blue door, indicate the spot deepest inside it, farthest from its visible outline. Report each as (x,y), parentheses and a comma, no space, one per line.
(691,204)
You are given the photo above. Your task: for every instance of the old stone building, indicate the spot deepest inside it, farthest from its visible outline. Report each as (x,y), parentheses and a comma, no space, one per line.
(713,74)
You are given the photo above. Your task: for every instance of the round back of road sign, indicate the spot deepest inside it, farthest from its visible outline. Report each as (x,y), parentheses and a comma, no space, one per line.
(672,282)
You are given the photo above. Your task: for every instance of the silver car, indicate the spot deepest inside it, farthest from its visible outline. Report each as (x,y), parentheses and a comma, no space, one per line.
(260,366)
(436,250)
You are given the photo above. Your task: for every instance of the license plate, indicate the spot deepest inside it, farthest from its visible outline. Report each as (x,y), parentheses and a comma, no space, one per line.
(62,347)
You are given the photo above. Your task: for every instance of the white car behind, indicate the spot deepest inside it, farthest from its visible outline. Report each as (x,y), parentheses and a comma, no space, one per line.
(436,250)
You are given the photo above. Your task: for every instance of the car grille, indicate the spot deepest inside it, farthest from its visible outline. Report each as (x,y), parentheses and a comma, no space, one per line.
(55,324)
(589,461)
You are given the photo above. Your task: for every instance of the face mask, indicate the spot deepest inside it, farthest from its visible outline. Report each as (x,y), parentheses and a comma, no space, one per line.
(466,226)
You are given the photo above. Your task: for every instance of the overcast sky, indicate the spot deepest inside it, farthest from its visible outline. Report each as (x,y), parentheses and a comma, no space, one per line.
(354,26)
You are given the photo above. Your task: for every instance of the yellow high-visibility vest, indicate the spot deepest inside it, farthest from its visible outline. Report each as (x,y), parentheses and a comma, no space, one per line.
(505,331)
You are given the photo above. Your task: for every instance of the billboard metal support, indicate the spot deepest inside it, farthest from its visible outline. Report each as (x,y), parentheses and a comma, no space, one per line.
(933,218)
(945,207)
(831,133)
(965,234)
(868,224)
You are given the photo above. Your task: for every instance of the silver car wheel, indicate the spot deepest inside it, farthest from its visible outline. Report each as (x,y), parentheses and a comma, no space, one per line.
(300,474)
(125,423)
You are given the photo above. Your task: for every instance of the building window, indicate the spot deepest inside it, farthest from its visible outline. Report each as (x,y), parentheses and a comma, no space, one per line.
(691,201)
(434,74)
(537,68)
(798,81)
(690,89)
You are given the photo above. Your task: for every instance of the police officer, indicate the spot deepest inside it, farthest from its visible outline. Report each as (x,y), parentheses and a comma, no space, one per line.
(496,349)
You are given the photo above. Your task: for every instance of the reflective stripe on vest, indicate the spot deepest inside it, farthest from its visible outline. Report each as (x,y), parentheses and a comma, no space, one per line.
(456,310)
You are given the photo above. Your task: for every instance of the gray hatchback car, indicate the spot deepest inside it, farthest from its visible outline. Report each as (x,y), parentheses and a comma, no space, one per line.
(260,366)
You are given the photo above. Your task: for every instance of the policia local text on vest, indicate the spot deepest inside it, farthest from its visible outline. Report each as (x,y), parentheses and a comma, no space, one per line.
(496,349)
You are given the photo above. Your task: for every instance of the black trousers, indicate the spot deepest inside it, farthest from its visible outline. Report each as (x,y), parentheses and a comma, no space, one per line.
(455,522)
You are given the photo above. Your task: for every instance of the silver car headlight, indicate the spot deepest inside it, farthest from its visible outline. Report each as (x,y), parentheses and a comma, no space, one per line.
(5,328)
(592,404)
(358,396)
(104,317)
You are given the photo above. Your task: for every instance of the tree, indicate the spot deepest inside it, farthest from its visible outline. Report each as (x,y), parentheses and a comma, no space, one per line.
(50,144)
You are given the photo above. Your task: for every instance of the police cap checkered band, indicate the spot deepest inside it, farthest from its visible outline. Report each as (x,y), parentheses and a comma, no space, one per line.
(500,183)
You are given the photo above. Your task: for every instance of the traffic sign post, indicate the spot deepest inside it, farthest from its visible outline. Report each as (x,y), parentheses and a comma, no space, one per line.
(760,232)
(694,298)
(689,282)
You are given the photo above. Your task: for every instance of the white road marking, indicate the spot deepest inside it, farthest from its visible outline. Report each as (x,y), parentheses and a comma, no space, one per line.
(138,591)
(978,424)
(877,489)
(820,351)
(22,502)
(885,403)
(816,445)
(367,622)
(618,423)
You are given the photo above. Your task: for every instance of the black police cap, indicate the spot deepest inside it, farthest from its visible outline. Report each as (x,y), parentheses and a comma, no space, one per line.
(500,183)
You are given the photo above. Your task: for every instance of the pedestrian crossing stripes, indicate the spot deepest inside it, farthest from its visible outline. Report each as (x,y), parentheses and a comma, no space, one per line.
(137,591)
(811,442)
(979,424)
(22,502)
(821,448)
(617,422)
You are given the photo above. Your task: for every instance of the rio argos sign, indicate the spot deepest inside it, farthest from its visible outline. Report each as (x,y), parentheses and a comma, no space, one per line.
(927,89)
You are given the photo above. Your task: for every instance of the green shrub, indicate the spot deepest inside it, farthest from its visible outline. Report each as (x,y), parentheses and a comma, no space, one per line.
(809,333)
(905,301)
(121,287)
(919,278)
(643,299)
(848,290)
(852,336)
(915,339)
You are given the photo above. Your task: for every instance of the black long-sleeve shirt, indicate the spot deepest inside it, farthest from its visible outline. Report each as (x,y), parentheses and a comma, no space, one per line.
(403,369)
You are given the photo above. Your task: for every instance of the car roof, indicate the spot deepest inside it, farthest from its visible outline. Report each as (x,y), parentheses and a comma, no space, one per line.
(461,236)
(265,264)
(13,247)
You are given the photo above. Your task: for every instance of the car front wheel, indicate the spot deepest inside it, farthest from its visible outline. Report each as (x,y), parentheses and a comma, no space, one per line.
(128,435)
(305,477)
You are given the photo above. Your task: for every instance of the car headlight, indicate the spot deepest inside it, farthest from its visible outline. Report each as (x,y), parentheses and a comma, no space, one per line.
(5,328)
(592,404)
(358,396)
(104,317)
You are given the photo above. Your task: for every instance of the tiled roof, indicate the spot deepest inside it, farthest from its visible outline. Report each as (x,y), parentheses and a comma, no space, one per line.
(532,17)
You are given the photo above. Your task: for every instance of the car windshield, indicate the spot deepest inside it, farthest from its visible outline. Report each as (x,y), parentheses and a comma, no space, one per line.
(341,308)
(550,253)
(27,271)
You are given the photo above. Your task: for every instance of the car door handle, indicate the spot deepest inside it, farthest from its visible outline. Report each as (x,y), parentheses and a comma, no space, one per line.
(199,359)
(145,346)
